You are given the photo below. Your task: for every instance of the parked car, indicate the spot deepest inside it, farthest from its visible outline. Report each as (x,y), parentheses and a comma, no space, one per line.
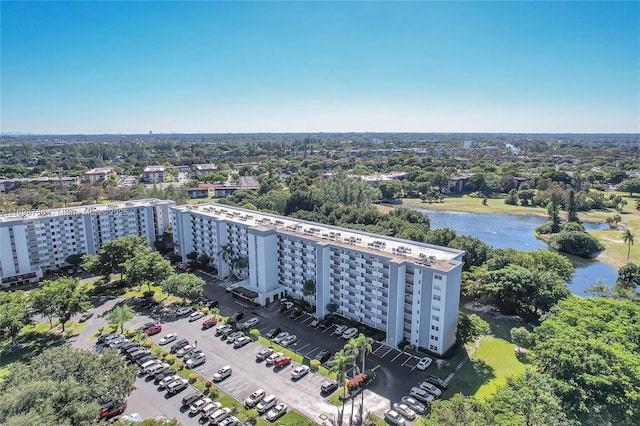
(236,316)
(137,353)
(414,404)
(185,350)
(196,406)
(196,316)
(404,410)
(272,358)
(251,322)
(210,408)
(266,404)
(222,328)
(254,398)
(437,381)
(167,380)
(394,417)
(340,329)
(177,386)
(285,306)
(148,364)
(183,310)
(289,340)
(219,415)
(299,372)
(147,325)
(314,322)
(163,373)
(280,337)
(196,360)
(232,287)
(209,322)
(103,337)
(168,338)
(222,374)
(112,409)
(230,421)
(240,342)
(421,394)
(85,316)
(115,344)
(323,355)
(264,354)
(431,388)
(227,331)
(296,313)
(153,330)
(276,412)
(273,333)
(192,354)
(128,345)
(350,333)
(325,323)
(282,361)
(424,363)
(328,386)
(233,336)
(179,345)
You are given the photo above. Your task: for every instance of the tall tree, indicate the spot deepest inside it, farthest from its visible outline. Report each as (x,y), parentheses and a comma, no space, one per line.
(309,289)
(470,327)
(121,314)
(14,313)
(186,286)
(340,363)
(113,254)
(68,298)
(627,237)
(458,410)
(147,267)
(572,208)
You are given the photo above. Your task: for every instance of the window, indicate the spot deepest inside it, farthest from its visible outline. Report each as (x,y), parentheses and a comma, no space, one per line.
(437,277)
(436,297)
(435,328)
(434,337)
(435,317)
(433,348)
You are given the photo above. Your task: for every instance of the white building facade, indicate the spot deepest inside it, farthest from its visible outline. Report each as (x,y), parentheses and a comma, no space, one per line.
(409,290)
(32,242)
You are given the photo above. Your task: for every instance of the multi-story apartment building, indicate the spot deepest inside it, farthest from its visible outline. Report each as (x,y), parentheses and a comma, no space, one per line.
(99,174)
(154,174)
(7,185)
(409,290)
(206,169)
(32,242)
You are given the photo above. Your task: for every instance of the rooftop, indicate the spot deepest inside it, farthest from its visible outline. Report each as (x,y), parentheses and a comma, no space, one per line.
(434,256)
(155,169)
(99,170)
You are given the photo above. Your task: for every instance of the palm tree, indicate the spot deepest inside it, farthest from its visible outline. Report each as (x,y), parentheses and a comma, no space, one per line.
(121,314)
(340,364)
(627,237)
(360,345)
(226,251)
(309,289)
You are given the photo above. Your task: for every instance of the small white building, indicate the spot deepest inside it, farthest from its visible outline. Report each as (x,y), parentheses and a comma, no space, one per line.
(154,174)
(99,174)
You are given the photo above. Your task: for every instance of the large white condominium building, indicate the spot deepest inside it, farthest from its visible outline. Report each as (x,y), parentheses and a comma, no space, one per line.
(409,290)
(34,241)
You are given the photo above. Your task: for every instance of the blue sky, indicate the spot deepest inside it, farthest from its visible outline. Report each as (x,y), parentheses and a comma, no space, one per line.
(188,67)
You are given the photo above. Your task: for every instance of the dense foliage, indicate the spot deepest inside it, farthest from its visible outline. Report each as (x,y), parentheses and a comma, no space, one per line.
(63,386)
(576,242)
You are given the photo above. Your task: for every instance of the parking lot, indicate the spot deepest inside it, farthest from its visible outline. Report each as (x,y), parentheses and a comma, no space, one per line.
(395,370)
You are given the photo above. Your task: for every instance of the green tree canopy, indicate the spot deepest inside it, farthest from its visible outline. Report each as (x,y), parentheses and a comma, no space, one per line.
(470,327)
(66,297)
(575,242)
(186,286)
(113,254)
(147,267)
(14,313)
(631,186)
(121,314)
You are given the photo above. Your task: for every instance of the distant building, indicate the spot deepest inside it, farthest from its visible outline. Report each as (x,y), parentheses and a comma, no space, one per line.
(247,183)
(456,183)
(154,174)
(99,174)
(7,185)
(204,190)
(206,169)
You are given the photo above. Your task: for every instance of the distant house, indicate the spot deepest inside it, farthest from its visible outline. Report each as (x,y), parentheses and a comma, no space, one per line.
(247,183)
(206,169)
(99,174)
(204,190)
(7,185)
(456,183)
(154,174)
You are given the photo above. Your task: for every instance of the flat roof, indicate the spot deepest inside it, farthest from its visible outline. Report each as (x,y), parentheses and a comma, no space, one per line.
(93,209)
(393,248)
(155,169)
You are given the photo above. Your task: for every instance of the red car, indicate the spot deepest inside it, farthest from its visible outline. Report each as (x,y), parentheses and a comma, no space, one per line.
(112,408)
(209,322)
(155,329)
(282,361)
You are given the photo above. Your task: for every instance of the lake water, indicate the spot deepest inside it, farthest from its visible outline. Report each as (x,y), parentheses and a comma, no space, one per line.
(510,231)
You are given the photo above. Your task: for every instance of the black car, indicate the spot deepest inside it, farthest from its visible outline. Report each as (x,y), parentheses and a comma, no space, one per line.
(295,313)
(104,337)
(130,350)
(138,354)
(191,398)
(323,355)
(437,381)
(179,345)
(273,333)
(128,345)
(165,373)
(237,316)
(146,358)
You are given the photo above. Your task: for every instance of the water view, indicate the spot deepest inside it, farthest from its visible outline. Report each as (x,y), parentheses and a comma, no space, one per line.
(510,231)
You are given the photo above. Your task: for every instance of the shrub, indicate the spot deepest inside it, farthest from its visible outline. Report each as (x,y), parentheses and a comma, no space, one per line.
(314,364)
(357,381)
(130,333)
(170,359)
(545,228)
(164,354)
(370,375)
(252,415)
(254,333)
(101,329)
(147,343)
(214,392)
(193,377)
(576,242)
(208,384)
(180,366)
(205,310)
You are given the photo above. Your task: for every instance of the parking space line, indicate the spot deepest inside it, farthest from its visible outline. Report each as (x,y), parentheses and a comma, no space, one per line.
(407,360)
(299,349)
(308,317)
(312,350)
(395,357)
(328,328)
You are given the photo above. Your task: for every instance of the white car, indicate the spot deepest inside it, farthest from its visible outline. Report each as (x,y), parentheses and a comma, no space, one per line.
(183,310)
(431,388)
(231,287)
(230,421)
(222,374)
(197,406)
(153,369)
(254,398)
(148,364)
(405,411)
(177,385)
(280,337)
(251,322)
(289,340)
(210,408)
(424,363)
(272,358)
(168,338)
(219,415)
(276,412)
(299,372)
(165,382)
(314,322)
(394,417)
(196,316)
(340,329)
(185,350)
(349,333)
(197,360)
(267,403)
(244,340)
(421,394)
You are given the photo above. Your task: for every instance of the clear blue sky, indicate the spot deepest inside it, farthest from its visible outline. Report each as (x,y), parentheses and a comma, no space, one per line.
(112,67)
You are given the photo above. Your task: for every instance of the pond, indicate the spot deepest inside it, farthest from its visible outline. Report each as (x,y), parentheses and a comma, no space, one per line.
(511,231)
